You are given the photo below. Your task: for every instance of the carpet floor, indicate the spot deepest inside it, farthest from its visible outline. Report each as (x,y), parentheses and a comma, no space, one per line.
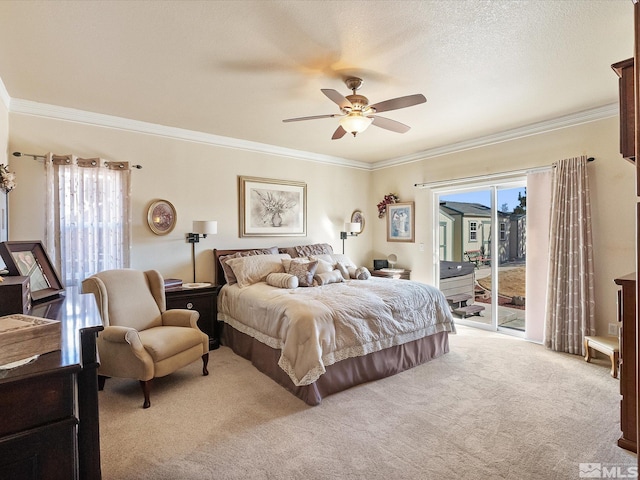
(494,407)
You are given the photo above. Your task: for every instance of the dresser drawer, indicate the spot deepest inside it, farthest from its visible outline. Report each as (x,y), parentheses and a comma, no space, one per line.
(35,401)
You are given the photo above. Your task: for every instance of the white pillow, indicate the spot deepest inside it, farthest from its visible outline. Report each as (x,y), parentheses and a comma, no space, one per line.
(282,280)
(344,270)
(334,276)
(342,258)
(254,269)
(324,266)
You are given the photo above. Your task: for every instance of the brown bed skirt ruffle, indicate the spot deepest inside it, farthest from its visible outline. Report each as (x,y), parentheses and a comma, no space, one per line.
(341,375)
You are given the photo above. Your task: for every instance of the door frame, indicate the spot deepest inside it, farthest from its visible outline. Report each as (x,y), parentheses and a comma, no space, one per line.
(493,185)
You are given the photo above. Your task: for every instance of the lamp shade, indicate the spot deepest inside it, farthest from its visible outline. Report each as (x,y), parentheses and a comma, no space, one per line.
(355,122)
(205,227)
(352,227)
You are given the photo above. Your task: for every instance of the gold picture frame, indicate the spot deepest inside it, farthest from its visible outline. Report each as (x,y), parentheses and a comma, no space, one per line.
(161,217)
(358,217)
(401,222)
(272,208)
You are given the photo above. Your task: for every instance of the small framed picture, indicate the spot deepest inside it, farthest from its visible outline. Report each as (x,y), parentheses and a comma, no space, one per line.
(30,259)
(272,207)
(400,222)
(161,217)
(358,217)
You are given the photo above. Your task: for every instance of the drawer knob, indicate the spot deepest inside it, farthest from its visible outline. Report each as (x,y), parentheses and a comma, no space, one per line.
(189,305)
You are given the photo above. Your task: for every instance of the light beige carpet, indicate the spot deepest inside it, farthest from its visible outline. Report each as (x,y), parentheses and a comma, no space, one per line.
(495,407)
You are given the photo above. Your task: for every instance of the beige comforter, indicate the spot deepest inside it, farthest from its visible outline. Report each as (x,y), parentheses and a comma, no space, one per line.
(317,326)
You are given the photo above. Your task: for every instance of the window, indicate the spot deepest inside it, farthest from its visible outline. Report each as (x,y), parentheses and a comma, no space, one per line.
(88,216)
(503,232)
(473,231)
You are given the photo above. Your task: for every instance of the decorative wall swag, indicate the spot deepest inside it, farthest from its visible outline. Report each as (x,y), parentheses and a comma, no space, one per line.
(382,206)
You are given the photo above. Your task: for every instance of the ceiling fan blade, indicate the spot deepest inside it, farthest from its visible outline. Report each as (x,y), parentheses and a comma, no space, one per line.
(400,102)
(336,97)
(389,124)
(313,117)
(339,133)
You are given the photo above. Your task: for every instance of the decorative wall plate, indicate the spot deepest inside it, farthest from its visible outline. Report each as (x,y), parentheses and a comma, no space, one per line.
(358,217)
(161,217)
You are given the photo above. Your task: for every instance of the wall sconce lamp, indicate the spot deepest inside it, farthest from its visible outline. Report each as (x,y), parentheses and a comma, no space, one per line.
(352,229)
(203,228)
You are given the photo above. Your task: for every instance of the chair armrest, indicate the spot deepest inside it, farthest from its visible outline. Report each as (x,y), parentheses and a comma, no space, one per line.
(180,317)
(118,334)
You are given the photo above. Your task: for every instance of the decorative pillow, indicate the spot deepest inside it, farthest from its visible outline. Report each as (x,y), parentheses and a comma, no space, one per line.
(362,273)
(255,268)
(228,272)
(282,280)
(334,276)
(286,262)
(344,270)
(315,249)
(304,271)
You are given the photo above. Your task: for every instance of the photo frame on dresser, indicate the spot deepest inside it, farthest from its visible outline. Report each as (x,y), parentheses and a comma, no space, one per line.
(272,208)
(30,259)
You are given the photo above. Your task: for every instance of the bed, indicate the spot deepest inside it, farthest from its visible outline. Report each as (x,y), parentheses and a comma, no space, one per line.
(319,340)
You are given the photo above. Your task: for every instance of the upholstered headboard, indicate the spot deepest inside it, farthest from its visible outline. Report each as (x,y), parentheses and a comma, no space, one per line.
(297,251)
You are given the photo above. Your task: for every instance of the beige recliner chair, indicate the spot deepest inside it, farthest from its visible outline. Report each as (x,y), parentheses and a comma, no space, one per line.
(141,339)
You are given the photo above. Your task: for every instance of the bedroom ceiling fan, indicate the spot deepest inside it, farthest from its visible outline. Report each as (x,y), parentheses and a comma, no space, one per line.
(356,113)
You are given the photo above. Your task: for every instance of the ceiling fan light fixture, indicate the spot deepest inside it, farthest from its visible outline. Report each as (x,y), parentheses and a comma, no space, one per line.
(355,123)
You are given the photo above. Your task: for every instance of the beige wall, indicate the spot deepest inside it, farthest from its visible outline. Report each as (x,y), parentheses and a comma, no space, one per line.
(199,180)
(4,132)
(612,199)
(4,159)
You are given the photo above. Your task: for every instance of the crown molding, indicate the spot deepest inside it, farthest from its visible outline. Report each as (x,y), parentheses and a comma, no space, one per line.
(28,107)
(586,116)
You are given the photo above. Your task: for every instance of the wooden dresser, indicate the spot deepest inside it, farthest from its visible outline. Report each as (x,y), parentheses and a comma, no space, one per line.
(627,364)
(49,425)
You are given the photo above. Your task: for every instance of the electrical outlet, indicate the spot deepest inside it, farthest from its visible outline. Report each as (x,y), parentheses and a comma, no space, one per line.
(421,247)
(613,329)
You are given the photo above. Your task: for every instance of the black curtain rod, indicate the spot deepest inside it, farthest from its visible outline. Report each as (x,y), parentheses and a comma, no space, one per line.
(35,157)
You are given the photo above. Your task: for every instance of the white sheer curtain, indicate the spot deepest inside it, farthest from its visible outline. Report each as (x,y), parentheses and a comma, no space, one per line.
(88,215)
(538,215)
(570,296)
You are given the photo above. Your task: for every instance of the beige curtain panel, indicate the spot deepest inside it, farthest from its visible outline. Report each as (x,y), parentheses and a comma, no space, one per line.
(570,296)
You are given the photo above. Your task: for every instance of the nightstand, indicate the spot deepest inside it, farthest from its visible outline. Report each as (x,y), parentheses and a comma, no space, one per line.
(394,274)
(203,300)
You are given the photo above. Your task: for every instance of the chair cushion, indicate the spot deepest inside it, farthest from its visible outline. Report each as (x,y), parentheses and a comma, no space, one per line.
(164,342)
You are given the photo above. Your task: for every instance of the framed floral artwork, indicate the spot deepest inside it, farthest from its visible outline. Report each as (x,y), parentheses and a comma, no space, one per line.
(400,222)
(161,217)
(270,208)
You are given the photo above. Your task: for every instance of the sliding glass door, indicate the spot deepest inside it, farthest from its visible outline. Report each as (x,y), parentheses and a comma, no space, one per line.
(483,269)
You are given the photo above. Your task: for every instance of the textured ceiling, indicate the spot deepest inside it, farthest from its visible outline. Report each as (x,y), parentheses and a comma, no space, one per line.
(238,68)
